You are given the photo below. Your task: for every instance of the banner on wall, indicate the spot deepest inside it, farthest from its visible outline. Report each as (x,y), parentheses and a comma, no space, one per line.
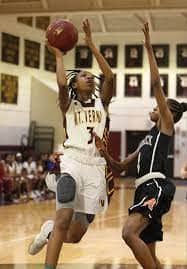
(9,89)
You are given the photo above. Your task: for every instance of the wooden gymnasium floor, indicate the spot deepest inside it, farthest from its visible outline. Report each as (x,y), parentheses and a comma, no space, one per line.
(102,246)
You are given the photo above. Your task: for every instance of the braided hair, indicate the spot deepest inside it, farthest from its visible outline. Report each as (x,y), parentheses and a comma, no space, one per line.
(176,108)
(72,76)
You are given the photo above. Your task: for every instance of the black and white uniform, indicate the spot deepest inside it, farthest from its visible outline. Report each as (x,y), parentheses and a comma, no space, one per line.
(154,191)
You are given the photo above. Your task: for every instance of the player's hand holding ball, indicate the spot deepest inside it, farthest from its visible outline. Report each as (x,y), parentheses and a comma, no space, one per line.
(62,36)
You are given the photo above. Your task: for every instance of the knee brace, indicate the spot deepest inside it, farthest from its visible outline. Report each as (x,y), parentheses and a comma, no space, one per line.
(66,188)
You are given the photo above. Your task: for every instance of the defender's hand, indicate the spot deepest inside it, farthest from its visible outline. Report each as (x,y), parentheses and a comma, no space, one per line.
(99,143)
(87,30)
(147,41)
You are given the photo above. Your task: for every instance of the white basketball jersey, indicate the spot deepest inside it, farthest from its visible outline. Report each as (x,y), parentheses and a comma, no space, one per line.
(81,120)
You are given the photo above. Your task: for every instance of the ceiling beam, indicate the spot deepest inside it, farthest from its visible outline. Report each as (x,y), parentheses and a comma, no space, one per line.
(102,23)
(45,4)
(152,3)
(99,3)
(21,3)
(19,7)
(92,12)
(157,3)
(17,4)
(184,15)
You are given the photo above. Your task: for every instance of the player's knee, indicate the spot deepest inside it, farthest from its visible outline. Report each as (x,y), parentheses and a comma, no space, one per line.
(62,224)
(75,238)
(66,188)
(127,234)
(154,266)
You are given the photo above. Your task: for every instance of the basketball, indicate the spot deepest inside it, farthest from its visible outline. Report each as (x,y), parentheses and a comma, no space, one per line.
(62,34)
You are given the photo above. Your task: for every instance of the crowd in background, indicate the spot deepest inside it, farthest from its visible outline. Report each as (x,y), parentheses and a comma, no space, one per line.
(22,178)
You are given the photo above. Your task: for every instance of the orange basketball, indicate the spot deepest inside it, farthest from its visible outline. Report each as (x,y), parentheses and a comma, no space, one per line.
(62,34)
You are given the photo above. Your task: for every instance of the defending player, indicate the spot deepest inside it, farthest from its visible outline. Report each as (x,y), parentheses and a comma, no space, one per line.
(154,191)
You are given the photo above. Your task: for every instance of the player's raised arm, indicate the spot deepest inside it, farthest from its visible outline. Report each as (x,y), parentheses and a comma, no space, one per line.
(115,165)
(108,84)
(166,116)
(63,93)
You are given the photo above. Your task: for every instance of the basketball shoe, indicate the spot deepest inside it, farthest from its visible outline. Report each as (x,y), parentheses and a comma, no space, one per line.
(41,238)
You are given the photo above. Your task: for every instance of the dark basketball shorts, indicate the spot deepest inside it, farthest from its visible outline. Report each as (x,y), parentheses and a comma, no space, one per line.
(153,199)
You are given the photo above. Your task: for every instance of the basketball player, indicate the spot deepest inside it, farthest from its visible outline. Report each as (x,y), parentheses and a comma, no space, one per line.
(81,188)
(154,191)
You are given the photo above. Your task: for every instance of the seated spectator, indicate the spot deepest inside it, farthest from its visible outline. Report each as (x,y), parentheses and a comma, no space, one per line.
(53,163)
(10,169)
(184,171)
(2,173)
(6,185)
(44,158)
(10,165)
(22,181)
(40,186)
(18,164)
(24,185)
(30,165)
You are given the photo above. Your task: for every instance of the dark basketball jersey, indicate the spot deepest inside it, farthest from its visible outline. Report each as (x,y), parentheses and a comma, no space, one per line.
(153,153)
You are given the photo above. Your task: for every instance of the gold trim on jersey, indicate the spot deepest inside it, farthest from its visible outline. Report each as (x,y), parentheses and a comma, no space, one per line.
(108,173)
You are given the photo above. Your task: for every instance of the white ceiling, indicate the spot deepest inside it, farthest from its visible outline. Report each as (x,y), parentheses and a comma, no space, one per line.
(107,15)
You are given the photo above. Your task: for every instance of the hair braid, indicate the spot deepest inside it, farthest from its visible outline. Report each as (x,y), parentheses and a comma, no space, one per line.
(176,108)
(72,76)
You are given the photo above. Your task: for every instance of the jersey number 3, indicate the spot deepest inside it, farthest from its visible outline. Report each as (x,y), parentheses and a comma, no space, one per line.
(90,130)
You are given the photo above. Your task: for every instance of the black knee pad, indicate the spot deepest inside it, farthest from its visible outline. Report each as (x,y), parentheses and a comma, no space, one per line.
(66,188)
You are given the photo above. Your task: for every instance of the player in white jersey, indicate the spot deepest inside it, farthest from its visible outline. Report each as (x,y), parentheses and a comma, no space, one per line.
(81,188)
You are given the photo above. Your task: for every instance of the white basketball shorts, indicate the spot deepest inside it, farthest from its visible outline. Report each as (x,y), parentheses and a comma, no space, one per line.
(91,194)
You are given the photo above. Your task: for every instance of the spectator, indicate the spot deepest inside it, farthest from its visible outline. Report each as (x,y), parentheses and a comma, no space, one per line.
(18,164)
(30,165)
(184,171)
(10,165)
(24,185)
(2,173)
(6,184)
